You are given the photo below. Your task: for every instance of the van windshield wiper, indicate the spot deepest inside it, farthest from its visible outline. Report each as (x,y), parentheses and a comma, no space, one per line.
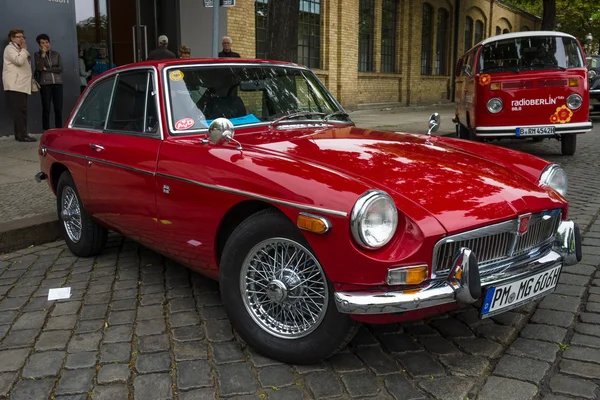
(295,115)
(335,114)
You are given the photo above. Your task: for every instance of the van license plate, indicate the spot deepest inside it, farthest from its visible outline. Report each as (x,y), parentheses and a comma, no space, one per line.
(536,130)
(502,298)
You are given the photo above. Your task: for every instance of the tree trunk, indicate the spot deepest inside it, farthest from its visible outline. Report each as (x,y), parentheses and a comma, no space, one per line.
(282,30)
(549,17)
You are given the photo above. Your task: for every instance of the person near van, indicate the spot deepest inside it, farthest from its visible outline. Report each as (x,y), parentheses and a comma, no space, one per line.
(185,52)
(48,65)
(227,52)
(162,52)
(83,72)
(17,80)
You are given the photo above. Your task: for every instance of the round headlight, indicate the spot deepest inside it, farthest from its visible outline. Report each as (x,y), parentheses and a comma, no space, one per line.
(556,178)
(494,105)
(574,101)
(374,219)
(591,74)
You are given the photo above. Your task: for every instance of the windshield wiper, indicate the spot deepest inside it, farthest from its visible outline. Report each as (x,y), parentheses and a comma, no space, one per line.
(294,115)
(335,114)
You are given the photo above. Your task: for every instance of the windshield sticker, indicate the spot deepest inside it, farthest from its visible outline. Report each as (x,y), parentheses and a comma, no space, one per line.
(176,75)
(184,123)
(485,79)
(563,114)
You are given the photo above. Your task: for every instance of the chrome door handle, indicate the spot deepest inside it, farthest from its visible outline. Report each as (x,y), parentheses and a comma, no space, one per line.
(96,147)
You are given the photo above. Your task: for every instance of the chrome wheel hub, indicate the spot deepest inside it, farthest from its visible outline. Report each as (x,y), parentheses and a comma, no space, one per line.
(70,214)
(284,288)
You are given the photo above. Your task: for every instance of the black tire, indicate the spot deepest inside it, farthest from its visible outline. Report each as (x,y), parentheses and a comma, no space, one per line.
(568,144)
(537,139)
(331,335)
(93,236)
(463,132)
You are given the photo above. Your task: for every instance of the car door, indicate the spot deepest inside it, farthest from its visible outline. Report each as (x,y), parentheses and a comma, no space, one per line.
(122,161)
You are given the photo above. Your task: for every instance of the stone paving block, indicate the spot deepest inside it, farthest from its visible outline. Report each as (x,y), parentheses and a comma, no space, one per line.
(94,312)
(452,328)
(573,386)
(451,388)
(110,392)
(97,299)
(547,333)
(592,307)
(480,347)
(8,317)
(6,382)
(560,303)
(213,312)
(89,326)
(184,318)
(113,373)
(85,342)
(588,329)
(28,389)
(572,279)
(420,330)
(364,338)
(200,394)
(218,331)
(464,364)
(323,385)
(420,364)
(497,333)
(502,388)
(121,318)
(17,339)
(117,334)
(346,362)
(522,368)
(153,362)
(124,305)
(150,312)
(66,308)
(582,354)
(275,376)
(126,294)
(581,369)
(580,269)
(360,384)
(260,361)
(510,318)
(399,343)
(536,349)
(154,343)
(13,304)
(288,393)
(64,322)
(42,365)
(153,386)
(152,299)
(80,360)
(439,345)
(187,333)
(182,304)
(583,340)
(198,374)
(117,352)
(375,359)
(3,330)
(75,381)
(226,352)
(550,317)
(151,327)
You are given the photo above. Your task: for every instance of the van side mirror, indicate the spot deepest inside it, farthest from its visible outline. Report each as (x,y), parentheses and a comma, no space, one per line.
(434,123)
(467,70)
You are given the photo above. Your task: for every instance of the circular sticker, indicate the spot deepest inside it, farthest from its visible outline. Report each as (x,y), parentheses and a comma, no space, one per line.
(184,123)
(176,75)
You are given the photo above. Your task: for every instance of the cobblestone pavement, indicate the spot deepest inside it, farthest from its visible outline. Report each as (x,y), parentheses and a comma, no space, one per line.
(142,327)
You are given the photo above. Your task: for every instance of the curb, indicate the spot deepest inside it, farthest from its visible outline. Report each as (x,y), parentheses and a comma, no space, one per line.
(25,232)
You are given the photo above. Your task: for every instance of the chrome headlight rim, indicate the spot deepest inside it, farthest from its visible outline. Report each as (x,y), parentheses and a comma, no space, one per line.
(495,100)
(574,96)
(362,205)
(591,74)
(546,178)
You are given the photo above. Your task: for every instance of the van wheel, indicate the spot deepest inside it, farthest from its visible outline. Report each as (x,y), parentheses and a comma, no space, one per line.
(463,132)
(277,295)
(537,139)
(568,143)
(84,236)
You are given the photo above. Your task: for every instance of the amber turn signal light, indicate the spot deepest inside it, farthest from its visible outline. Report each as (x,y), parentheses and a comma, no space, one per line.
(573,82)
(313,223)
(407,275)
(495,86)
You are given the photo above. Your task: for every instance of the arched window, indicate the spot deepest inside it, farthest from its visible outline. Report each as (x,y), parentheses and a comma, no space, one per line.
(443,34)
(468,33)
(505,31)
(427,39)
(525,28)
(366,35)
(389,13)
(478,31)
(498,30)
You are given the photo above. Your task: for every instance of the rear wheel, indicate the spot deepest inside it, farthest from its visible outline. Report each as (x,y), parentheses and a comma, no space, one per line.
(568,144)
(277,295)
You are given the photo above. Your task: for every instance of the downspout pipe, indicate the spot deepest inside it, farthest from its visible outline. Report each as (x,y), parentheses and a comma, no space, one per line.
(455,52)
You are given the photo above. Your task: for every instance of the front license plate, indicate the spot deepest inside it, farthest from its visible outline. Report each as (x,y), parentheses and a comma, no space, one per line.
(502,298)
(537,130)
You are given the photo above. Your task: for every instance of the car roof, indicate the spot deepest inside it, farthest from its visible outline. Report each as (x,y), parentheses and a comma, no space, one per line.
(515,35)
(160,64)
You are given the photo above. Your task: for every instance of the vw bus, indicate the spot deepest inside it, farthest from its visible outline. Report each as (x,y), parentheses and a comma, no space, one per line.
(523,85)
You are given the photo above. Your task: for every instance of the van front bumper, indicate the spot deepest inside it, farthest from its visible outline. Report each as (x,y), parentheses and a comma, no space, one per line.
(511,131)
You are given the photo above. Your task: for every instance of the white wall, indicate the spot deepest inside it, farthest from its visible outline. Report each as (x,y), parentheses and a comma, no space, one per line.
(196,27)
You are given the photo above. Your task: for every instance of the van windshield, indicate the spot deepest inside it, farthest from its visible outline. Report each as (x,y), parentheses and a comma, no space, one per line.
(530,53)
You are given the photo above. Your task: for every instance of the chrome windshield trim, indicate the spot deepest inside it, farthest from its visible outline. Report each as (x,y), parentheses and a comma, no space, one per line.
(300,206)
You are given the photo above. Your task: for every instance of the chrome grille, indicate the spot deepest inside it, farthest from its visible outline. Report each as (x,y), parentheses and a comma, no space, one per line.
(497,242)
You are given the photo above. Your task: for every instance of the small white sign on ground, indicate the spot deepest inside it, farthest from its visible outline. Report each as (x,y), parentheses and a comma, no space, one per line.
(59,294)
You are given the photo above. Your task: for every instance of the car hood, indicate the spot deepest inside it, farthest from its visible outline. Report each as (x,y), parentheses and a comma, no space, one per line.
(461,190)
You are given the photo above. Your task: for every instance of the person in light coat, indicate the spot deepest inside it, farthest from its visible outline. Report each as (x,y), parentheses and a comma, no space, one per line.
(17,81)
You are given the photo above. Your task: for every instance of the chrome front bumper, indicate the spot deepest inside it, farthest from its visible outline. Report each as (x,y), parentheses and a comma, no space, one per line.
(463,284)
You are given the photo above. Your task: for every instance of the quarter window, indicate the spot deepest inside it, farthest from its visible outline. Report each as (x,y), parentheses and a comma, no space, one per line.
(128,111)
(92,112)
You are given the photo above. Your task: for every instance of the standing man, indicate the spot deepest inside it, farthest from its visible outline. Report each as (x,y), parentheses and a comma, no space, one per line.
(227,53)
(162,52)
(49,66)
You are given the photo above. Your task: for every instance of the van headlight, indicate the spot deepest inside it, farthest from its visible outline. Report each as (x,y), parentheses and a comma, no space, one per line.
(494,105)
(574,101)
(555,177)
(374,219)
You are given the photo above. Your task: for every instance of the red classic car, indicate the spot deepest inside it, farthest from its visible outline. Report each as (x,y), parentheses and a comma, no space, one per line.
(310,224)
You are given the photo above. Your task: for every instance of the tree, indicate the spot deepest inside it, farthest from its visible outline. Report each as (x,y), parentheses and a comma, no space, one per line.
(282,30)
(549,17)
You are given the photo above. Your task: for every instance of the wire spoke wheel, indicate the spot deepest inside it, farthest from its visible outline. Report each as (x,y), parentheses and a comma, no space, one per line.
(70,214)
(284,288)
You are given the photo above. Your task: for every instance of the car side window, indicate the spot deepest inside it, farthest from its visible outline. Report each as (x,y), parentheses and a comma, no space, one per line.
(92,112)
(129,105)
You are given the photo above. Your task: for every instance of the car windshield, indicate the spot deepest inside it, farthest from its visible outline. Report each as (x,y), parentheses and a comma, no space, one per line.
(530,53)
(245,95)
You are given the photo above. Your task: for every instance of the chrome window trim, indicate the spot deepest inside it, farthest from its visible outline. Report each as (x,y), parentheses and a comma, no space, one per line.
(146,102)
(100,161)
(305,207)
(110,102)
(167,98)
(510,226)
(91,87)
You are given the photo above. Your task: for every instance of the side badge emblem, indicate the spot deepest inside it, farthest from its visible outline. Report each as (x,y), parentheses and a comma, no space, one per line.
(166,189)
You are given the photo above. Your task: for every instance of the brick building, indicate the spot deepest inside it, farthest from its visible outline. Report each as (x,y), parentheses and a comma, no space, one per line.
(382,51)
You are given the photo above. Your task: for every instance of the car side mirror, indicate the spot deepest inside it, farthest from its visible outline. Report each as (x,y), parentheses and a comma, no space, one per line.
(221,131)
(434,123)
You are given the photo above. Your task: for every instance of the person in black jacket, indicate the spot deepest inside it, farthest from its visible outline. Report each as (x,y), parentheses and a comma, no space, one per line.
(227,53)
(49,68)
(162,52)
